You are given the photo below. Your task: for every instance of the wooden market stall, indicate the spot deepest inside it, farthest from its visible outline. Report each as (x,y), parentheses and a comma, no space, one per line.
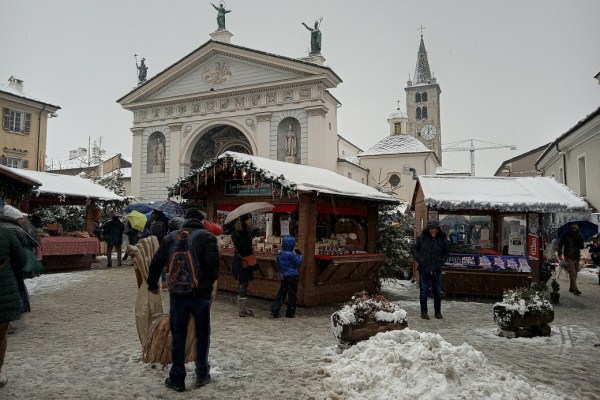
(333,218)
(41,189)
(494,226)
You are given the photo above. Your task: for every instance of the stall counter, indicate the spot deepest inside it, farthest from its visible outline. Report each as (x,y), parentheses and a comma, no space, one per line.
(67,252)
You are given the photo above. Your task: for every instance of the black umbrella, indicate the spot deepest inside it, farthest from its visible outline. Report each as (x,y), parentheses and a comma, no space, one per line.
(168,206)
(587,229)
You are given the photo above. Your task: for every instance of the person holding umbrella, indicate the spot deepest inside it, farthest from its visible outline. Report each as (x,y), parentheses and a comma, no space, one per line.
(571,244)
(113,234)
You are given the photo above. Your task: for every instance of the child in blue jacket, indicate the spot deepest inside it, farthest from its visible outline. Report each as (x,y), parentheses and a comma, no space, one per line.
(288,261)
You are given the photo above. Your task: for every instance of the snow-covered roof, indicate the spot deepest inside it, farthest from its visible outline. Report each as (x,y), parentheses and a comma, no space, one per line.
(296,177)
(351,158)
(66,185)
(125,172)
(397,114)
(396,144)
(518,194)
(7,89)
(58,164)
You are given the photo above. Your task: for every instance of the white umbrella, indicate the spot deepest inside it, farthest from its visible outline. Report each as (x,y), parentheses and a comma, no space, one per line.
(256,207)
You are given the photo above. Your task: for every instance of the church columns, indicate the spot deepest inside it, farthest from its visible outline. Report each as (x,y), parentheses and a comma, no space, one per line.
(263,135)
(316,136)
(174,151)
(136,160)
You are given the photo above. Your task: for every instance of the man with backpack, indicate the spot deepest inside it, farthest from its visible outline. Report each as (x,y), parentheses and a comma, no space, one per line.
(192,256)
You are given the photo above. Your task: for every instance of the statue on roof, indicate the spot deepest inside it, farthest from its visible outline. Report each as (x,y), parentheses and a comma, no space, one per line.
(315,37)
(142,70)
(221,15)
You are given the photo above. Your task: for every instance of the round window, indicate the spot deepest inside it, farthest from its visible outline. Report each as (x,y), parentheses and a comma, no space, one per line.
(394,180)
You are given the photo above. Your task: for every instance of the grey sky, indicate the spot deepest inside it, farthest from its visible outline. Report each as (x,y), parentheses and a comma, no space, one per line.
(511,72)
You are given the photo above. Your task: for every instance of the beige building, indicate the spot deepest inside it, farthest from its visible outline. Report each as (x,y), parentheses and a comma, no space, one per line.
(24,127)
(574,159)
(523,164)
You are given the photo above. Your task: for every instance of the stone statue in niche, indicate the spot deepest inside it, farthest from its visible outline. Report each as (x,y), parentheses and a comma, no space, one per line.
(291,148)
(159,156)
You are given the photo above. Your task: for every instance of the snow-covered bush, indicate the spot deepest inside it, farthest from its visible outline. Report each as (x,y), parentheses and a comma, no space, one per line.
(525,300)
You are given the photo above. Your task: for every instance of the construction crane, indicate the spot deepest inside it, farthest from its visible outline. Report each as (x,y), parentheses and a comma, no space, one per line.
(460,146)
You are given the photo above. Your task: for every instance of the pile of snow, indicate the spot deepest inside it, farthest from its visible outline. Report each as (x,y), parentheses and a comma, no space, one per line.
(408,364)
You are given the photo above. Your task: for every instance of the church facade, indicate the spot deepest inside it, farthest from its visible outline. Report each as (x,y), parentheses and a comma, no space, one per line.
(223,97)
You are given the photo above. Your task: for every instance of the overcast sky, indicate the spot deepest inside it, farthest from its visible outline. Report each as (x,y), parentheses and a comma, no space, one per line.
(511,72)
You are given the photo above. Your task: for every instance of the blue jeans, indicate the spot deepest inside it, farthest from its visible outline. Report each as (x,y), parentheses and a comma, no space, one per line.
(435,281)
(180,309)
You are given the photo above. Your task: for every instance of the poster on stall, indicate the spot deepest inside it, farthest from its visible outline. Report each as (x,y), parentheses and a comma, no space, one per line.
(532,246)
(284,225)
(515,245)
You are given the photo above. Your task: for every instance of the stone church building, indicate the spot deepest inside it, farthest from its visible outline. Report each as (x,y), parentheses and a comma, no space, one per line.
(224,97)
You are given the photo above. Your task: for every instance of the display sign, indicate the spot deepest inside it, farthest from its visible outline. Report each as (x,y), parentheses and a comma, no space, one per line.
(236,187)
(533,246)
(488,262)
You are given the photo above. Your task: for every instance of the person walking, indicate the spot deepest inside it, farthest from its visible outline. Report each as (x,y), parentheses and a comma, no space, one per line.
(133,236)
(113,234)
(12,257)
(595,253)
(570,245)
(197,302)
(288,262)
(431,249)
(242,269)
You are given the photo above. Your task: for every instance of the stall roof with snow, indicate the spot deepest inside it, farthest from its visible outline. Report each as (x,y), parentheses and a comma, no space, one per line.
(507,194)
(62,187)
(291,178)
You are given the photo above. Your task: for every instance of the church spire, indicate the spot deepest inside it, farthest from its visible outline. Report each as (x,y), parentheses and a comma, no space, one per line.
(422,71)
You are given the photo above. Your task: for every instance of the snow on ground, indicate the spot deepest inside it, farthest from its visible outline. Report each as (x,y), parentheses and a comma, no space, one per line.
(80,341)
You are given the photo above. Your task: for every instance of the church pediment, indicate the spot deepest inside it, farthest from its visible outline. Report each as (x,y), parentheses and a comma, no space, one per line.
(217,68)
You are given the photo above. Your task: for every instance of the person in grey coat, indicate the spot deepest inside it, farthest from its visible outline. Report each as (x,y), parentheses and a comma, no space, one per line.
(431,251)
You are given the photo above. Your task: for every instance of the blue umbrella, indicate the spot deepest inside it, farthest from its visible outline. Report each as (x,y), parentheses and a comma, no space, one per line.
(141,207)
(587,229)
(168,206)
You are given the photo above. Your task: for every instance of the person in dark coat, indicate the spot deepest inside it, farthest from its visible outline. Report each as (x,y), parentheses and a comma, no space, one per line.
(12,255)
(9,219)
(241,236)
(431,249)
(288,262)
(113,234)
(157,225)
(196,302)
(595,253)
(571,244)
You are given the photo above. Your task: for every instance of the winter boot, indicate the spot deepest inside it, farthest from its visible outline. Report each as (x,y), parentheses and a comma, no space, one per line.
(290,312)
(243,310)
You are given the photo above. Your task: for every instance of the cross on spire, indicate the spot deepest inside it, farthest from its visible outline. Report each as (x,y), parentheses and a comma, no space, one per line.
(421,29)
(398,101)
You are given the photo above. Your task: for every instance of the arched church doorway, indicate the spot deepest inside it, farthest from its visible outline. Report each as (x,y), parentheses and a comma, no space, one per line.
(216,141)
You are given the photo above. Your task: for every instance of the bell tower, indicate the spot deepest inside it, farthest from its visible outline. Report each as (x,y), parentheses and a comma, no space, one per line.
(423,104)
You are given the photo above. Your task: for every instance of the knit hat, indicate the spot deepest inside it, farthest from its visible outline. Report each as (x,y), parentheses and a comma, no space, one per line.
(194,213)
(12,212)
(432,223)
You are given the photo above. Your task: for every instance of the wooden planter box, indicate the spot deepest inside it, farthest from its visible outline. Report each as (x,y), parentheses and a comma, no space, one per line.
(526,325)
(356,332)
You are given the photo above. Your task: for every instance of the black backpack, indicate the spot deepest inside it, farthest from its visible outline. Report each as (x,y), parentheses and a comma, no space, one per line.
(185,271)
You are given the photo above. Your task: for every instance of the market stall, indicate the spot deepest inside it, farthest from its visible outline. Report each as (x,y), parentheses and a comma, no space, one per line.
(333,218)
(494,226)
(59,249)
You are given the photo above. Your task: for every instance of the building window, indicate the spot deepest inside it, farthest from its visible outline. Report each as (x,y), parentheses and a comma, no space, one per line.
(16,121)
(582,176)
(418,112)
(424,96)
(394,180)
(424,112)
(12,162)
(561,175)
(418,97)
(397,128)
(350,175)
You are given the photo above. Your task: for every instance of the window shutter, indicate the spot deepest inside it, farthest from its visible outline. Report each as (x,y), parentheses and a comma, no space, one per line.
(3,160)
(27,122)
(6,120)
(25,164)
